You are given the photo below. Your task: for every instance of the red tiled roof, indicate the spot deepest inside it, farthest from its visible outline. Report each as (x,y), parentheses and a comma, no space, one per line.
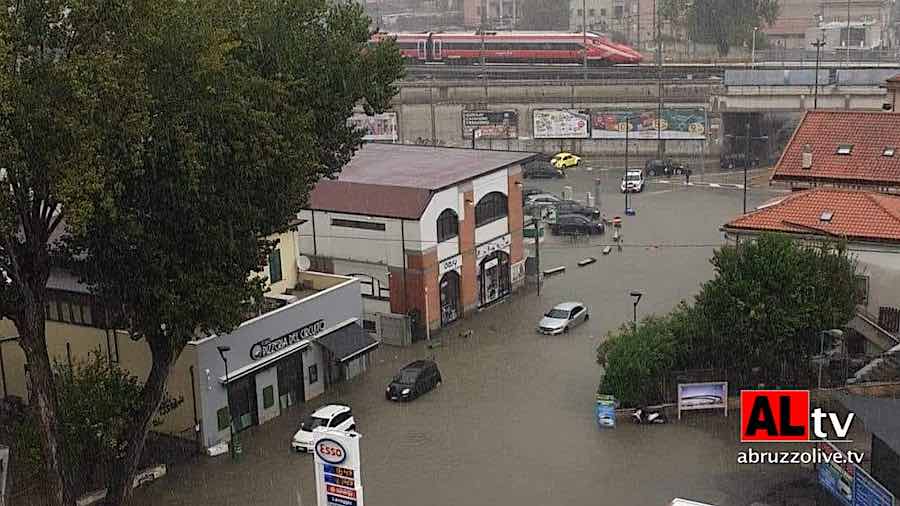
(856,214)
(369,199)
(824,131)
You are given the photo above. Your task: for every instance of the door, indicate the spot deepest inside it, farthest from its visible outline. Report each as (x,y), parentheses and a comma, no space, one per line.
(242,395)
(494,282)
(421,52)
(436,50)
(290,381)
(449,297)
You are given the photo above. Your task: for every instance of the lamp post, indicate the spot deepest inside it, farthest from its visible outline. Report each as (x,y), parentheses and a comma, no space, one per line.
(584,44)
(818,44)
(747,160)
(753,50)
(625,177)
(636,298)
(848,32)
(222,351)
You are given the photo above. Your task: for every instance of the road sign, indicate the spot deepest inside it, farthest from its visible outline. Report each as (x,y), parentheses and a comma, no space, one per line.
(868,492)
(337,466)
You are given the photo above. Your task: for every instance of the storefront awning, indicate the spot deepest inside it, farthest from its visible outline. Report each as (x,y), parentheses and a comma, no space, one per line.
(348,342)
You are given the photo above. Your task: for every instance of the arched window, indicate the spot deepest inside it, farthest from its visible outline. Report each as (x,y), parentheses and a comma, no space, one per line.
(447,225)
(491,207)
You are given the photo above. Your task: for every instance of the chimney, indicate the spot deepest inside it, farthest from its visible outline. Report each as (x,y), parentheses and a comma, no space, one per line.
(807,157)
(893,93)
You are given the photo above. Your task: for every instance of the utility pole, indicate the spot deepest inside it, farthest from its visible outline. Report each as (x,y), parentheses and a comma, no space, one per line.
(848,32)
(537,248)
(625,177)
(753,50)
(584,45)
(818,44)
(483,28)
(746,165)
(659,90)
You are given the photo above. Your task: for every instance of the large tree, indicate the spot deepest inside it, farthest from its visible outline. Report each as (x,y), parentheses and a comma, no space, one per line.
(724,23)
(196,129)
(543,15)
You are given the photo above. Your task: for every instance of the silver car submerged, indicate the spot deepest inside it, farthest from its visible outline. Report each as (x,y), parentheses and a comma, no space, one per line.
(563,317)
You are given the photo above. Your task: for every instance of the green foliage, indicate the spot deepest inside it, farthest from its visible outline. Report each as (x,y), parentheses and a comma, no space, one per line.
(762,311)
(97,398)
(636,359)
(725,23)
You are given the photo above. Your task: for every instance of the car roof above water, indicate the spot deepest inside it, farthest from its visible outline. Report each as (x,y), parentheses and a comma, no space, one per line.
(330,410)
(567,306)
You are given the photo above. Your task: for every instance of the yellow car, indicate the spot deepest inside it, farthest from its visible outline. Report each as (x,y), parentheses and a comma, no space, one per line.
(565,160)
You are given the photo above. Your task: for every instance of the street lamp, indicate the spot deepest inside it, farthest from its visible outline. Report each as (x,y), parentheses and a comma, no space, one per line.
(628,209)
(748,156)
(222,351)
(753,50)
(818,44)
(636,298)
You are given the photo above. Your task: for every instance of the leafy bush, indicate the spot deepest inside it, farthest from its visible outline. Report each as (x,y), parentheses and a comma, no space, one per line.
(638,361)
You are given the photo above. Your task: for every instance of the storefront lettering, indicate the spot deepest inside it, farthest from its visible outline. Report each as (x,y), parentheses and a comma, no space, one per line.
(269,346)
(500,243)
(450,264)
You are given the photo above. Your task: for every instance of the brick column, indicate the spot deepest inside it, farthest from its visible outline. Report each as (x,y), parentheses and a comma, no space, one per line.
(514,202)
(468,285)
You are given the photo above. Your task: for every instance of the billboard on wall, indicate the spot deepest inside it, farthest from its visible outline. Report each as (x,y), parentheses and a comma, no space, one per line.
(561,124)
(378,127)
(675,124)
(711,395)
(491,124)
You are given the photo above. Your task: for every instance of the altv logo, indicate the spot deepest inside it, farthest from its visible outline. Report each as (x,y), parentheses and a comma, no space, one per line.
(784,415)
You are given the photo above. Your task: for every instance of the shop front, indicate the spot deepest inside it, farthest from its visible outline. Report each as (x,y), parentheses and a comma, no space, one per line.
(345,352)
(493,269)
(449,289)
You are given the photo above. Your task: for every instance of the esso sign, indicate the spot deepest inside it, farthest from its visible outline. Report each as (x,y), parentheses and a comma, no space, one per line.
(330,451)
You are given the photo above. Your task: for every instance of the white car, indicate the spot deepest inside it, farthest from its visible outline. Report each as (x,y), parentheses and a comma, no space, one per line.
(633,181)
(562,317)
(542,199)
(332,416)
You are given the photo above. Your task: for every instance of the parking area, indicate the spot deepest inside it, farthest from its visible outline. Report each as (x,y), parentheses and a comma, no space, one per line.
(512,423)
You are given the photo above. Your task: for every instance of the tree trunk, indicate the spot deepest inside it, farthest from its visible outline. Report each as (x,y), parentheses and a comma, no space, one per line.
(122,479)
(42,396)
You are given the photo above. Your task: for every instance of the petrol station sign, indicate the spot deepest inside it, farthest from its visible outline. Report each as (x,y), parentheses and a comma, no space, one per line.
(337,466)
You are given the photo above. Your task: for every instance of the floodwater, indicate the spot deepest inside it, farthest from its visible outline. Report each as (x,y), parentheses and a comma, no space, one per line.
(512,423)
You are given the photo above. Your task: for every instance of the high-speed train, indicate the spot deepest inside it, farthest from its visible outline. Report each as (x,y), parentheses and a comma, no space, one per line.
(511,47)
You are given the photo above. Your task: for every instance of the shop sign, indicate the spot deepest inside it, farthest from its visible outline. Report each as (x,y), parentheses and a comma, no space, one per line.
(269,346)
(490,124)
(500,243)
(378,127)
(450,264)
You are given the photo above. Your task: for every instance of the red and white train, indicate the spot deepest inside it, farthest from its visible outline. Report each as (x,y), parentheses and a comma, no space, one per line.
(511,47)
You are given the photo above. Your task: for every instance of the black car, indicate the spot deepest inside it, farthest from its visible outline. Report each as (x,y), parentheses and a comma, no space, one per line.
(541,170)
(413,380)
(737,161)
(573,207)
(575,224)
(666,167)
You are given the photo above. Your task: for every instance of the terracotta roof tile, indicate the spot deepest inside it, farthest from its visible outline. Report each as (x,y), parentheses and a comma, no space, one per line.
(856,214)
(824,131)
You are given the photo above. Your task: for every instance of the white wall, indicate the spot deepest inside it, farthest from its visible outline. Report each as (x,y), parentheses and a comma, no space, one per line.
(373,246)
(492,230)
(883,271)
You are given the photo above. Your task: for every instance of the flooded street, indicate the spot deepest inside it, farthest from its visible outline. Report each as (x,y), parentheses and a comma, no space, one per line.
(512,423)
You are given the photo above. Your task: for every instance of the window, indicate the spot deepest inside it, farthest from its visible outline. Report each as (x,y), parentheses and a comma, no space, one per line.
(339,419)
(580,12)
(447,225)
(268,397)
(275,266)
(845,149)
(365,225)
(862,290)
(491,207)
(888,151)
(592,12)
(369,326)
(603,13)
(313,373)
(223,417)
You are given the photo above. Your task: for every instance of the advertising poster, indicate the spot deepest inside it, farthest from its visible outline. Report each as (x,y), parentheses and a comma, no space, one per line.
(379,127)
(836,478)
(561,124)
(606,410)
(693,396)
(868,492)
(490,124)
(675,124)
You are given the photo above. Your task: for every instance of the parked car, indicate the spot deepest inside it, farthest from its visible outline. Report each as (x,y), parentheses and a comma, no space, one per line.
(576,224)
(542,199)
(737,161)
(574,207)
(529,191)
(332,416)
(542,170)
(666,167)
(564,160)
(413,380)
(633,181)
(563,317)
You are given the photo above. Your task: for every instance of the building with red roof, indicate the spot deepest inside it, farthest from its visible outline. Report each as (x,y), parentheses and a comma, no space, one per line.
(846,149)
(868,222)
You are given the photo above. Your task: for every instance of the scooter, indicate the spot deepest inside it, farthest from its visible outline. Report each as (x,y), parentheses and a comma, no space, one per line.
(643,416)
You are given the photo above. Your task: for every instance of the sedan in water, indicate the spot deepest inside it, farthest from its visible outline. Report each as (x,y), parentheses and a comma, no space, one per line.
(562,317)
(413,380)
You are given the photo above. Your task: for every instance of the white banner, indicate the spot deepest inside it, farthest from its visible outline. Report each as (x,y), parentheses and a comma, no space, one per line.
(561,124)
(711,395)
(378,127)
